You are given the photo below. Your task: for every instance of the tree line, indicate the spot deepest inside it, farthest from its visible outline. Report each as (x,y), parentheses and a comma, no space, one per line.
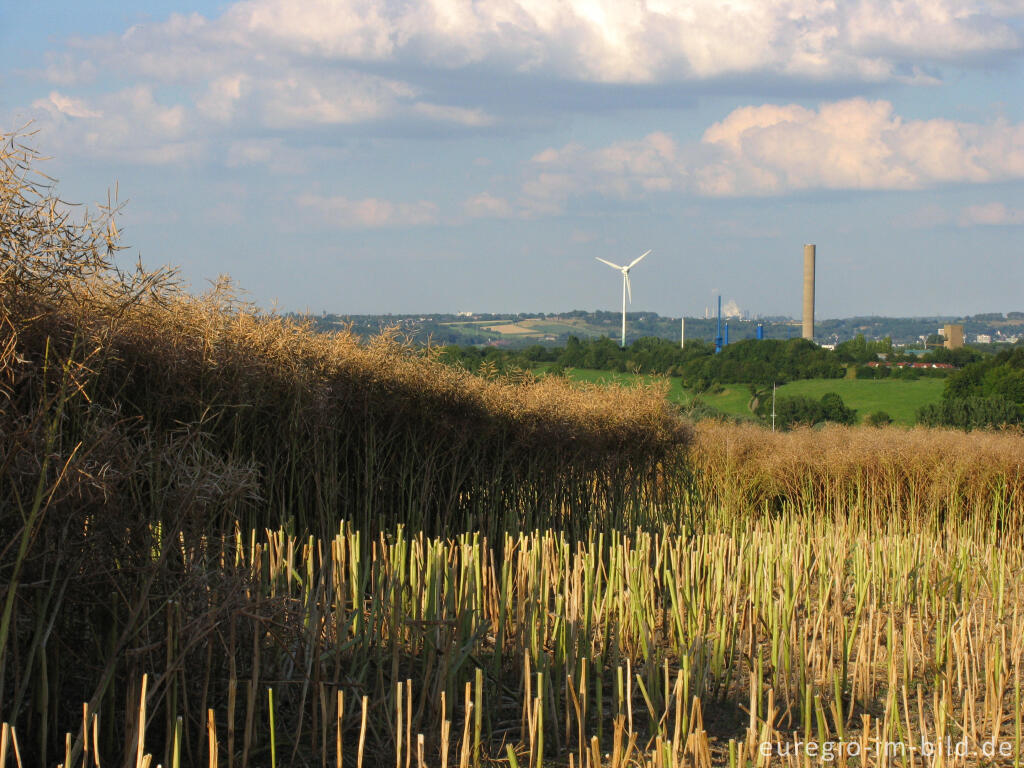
(745,362)
(985,393)
(981,391)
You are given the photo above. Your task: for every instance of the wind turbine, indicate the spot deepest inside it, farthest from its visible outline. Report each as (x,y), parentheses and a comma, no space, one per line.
(626,290)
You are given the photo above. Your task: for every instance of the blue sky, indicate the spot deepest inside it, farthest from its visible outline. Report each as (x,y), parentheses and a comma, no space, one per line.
(371,156)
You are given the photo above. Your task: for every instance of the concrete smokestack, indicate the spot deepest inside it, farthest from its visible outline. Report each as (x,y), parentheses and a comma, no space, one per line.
(809,252)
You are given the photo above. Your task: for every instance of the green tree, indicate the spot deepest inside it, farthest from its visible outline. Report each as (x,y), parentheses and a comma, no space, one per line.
(970,412)
(834,409)
(797,410)
(878,419)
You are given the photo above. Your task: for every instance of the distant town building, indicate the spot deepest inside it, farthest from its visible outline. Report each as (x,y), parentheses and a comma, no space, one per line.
(953,335)
(940,366)
(984,338)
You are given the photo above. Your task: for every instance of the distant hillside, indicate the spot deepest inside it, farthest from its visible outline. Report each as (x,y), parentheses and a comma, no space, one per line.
(527,329)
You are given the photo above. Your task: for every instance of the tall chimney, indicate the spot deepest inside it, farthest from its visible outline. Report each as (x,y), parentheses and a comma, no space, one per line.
(809,292)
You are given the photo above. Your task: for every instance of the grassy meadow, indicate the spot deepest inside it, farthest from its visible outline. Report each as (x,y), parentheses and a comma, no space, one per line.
(899,398)
(231,541)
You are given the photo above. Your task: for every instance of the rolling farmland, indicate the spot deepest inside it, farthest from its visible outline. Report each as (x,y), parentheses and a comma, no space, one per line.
(899,398)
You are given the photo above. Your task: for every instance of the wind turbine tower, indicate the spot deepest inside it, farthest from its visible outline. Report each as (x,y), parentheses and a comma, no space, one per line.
(626,289)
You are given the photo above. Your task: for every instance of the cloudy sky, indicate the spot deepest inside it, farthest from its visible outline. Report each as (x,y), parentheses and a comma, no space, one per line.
(372,156)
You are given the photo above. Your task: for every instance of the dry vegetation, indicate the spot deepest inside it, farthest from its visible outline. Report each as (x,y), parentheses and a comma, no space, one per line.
(280,421)
(893,479)
(134,414)
(237,542)
(652,649)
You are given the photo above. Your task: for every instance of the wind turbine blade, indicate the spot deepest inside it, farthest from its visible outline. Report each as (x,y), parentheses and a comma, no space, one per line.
(608,263)
(637,261)
(629,289)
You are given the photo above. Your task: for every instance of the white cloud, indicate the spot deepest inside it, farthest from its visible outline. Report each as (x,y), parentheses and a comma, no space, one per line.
(220,101)
(137,125)
(652,41)
(314,97)
(334,99)
(285,67)
(69,106)
(368,213)
(991,215)
(625,170)
(130,125)
(252,152)
(352,29)
(773,150)
(732,309)
(276,155)
(646,41)
(853,144)
(486,206)
(309,97)
(937,30)
(454,115)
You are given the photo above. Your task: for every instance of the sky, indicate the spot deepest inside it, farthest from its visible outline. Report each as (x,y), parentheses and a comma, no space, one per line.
(392,156)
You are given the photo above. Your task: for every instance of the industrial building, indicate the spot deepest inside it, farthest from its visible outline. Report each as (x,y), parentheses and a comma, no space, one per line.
(953,335)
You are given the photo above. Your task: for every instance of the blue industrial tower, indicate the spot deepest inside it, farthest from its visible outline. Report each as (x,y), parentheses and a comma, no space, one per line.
(718,333)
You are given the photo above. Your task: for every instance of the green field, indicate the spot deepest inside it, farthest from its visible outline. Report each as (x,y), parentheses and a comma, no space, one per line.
(899,398)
